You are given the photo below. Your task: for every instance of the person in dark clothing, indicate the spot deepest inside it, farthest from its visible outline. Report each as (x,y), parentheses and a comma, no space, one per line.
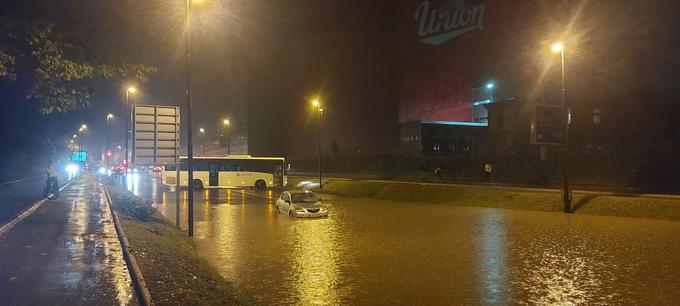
(52,180)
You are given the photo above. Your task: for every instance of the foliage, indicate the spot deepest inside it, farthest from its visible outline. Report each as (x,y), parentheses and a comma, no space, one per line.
(130,205)
(57,74)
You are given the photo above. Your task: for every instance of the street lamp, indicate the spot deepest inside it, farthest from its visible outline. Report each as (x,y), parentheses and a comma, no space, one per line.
(202,131)
(490,86)
(317,105)
(128,91)
(109,117)
(228,125)
(190,141)
(559,48)
(82,129)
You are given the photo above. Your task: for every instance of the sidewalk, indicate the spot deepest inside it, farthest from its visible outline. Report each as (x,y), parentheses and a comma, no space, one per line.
(66,253)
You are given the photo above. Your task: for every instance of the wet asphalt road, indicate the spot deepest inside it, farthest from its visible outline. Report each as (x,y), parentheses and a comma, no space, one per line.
(15,196)
(65,253)
(385,252)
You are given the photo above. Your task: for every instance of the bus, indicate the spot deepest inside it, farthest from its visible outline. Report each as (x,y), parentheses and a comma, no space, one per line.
(233,171)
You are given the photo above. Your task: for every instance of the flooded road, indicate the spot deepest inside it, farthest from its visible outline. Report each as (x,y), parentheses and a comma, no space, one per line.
(385,252)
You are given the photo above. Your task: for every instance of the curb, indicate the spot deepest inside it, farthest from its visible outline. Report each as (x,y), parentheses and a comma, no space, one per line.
(27,212)
(135,272)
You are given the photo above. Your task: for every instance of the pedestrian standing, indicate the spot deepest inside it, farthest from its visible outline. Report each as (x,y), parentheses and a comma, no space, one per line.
(52,180)
(438,171)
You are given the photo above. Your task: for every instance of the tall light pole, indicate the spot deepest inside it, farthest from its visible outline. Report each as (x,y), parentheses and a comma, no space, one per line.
(317,105)
(109,117)
(80,135)
(190,128)
(73,139)
(559,48)
(227,123)
(128,91)
(202,131)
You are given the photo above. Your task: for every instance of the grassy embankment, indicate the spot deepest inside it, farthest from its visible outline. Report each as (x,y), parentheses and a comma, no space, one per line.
(509,198)
(171,267)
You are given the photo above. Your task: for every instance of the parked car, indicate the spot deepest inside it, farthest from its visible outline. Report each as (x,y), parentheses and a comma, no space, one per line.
(300,204)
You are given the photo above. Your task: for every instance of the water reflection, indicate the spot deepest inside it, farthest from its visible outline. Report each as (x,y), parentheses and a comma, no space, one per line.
(315,261)
(132,180)
(492,257)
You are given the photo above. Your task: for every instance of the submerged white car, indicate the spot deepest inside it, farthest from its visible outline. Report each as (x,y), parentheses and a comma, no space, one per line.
(300,204)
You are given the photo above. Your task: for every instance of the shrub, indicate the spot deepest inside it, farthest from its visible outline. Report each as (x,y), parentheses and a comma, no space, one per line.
(129,205)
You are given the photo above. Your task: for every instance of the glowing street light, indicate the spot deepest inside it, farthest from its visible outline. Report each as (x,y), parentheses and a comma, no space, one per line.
(317,105)
(558,47)
(202,131)
(490,87)
(228,125)
(82,129)
(129,90)
(109,117)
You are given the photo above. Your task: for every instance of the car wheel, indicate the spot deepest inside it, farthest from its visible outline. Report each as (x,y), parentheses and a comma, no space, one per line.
(260,185)
(291,214)
(198,184)
(278,211)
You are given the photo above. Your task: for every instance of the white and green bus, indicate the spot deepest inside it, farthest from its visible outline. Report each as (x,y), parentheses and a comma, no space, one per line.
(233,171)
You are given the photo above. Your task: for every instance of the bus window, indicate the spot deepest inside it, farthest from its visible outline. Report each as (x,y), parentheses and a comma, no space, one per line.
(201,165)
(170,168)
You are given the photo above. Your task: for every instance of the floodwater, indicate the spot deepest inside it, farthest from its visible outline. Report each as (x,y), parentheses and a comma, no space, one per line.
(385,252)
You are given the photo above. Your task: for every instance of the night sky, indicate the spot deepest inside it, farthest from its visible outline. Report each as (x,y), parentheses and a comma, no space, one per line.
(357,56)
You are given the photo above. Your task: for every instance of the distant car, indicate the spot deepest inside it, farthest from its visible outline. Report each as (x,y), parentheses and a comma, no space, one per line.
(300,204)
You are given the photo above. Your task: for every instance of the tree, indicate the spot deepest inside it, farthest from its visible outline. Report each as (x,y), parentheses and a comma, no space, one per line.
(40,60)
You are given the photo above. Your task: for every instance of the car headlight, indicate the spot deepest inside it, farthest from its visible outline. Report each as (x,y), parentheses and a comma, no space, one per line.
(300,210)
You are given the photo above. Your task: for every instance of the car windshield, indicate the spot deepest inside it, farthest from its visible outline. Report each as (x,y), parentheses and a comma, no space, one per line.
(306,197)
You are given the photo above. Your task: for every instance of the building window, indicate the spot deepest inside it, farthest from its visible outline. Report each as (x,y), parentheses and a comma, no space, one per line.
(597,116)
(467,145)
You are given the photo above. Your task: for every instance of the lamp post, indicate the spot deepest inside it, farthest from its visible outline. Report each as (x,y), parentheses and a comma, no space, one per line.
(490,86)
(190,142)
(559,48)
(317,105)
(228,125)
(128,91)
(80,136)
(202,131)
(109,117)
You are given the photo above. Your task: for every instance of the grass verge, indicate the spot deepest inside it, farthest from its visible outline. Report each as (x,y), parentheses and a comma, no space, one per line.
(482,196)
(172,269)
